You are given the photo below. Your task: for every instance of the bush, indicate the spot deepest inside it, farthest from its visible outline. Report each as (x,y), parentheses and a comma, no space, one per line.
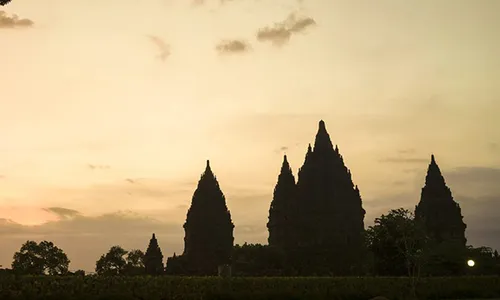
(261,288)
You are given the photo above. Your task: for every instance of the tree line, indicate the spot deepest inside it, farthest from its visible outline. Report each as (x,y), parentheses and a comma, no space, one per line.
(396,246)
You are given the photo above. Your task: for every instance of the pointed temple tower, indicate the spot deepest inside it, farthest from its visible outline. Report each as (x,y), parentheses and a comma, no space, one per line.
(332,216)
(325,216)
(153,258)
(208,240)
(441,215)
(281,213)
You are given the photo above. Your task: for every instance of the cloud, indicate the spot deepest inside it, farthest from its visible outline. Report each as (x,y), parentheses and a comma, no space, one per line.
(232,46)
(281,32)
(85,238)
(162,45)
(63,213)
(475,181)
(405,156)
(13,21)
(98,167)
(129,193)
(477,191)
(399,182)
(282,149)
(407,151)
(404,160)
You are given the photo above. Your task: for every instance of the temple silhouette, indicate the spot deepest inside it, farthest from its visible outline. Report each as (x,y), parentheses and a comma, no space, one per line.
(443,223)
(441,214)
(153,258)
(208,240)
(316,222)
(321,216)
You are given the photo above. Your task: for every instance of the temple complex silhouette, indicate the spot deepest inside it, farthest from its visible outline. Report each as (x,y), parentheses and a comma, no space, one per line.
(316,221)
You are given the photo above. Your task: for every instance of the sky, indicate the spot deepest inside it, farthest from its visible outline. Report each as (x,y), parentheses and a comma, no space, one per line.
(110,109)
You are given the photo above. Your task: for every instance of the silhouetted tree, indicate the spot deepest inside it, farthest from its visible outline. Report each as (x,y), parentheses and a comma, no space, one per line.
(39,259)
(112,263)
(398,243)
(208,240)
(135,263)
(79,273)
(176,265)
(259,260)
(486,261)
(400,246)
(4,2)
(153,259)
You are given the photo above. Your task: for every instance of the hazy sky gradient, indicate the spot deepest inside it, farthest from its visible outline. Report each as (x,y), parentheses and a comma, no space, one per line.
(88,99)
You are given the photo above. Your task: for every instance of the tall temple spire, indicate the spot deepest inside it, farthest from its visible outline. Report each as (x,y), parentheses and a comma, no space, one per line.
(323,141)
(285,166)
(281,212)
(434,176)
(328,212)
(437,208)
(208,171)
(153,258)
(208,229)
(322,126)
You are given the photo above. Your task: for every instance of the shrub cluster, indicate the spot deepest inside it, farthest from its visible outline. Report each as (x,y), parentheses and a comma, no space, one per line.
(165,287)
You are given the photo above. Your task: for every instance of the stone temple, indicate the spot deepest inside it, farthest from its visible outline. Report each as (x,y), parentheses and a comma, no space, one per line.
(319,220)
(440,213)
(208,240)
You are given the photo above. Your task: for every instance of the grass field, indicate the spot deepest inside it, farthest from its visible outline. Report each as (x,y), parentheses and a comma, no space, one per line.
(190,288)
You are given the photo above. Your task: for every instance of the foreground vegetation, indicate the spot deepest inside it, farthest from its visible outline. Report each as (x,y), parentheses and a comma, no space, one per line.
(166,287)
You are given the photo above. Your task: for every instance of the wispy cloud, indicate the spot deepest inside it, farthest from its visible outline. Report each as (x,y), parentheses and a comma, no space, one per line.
(281,32)
(232,46)
(493,147)
(404,160)
(85,238)
(162,46)
(286,148)
(63,213)
(13,21)
(198,2)
(407,151)
(98,167)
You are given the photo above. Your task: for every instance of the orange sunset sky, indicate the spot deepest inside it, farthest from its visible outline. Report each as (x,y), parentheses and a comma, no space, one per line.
(109,110)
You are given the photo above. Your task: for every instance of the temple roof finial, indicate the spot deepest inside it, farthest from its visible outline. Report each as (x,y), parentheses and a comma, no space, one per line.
(322,126)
